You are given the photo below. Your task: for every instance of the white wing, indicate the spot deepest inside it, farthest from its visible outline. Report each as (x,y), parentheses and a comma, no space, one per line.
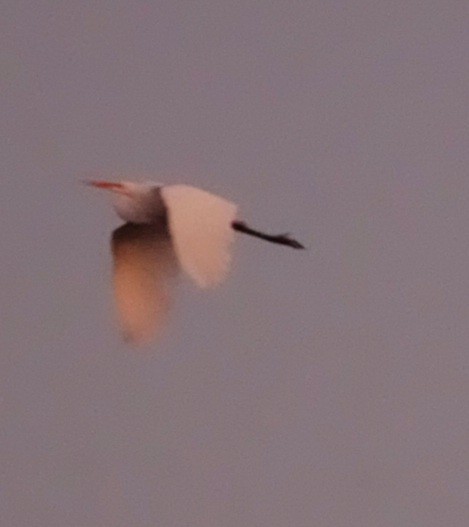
(144,263)
(200,228)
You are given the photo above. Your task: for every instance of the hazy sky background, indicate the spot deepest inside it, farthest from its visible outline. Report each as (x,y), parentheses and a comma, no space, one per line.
(325,388)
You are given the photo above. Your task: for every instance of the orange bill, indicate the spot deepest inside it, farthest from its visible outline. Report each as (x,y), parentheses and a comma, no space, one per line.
(107,185)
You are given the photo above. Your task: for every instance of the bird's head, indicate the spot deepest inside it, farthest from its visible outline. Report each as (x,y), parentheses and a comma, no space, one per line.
(133,202)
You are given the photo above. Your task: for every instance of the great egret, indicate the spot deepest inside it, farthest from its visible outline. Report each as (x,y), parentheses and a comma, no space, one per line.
(168,227)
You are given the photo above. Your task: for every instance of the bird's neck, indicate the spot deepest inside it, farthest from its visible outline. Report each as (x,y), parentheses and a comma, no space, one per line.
(144,207)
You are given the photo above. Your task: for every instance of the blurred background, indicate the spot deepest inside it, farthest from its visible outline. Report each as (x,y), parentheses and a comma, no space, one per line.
(328,387)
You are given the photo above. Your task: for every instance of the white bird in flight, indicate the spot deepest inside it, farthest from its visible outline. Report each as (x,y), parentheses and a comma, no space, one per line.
(168,227)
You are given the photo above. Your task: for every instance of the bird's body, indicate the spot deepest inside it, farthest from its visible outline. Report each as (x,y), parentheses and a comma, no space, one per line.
(169,228)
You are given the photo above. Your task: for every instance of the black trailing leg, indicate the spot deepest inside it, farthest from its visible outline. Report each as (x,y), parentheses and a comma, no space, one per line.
(282,239)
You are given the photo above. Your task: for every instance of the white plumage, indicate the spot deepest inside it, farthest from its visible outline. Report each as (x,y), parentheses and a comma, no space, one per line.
(200,227)
(144,266)
(168,227)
